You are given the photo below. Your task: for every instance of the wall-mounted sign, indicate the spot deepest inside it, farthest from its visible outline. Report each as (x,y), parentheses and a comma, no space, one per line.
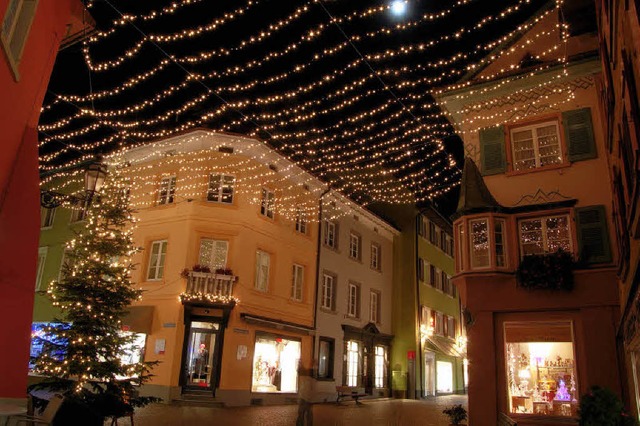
(169,325)
(160,346)
(411,354)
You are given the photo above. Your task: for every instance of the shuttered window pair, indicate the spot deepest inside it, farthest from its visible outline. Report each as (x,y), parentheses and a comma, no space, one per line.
(538,145)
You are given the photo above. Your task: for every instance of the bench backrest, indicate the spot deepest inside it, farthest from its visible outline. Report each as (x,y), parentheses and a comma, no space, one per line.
(349,389)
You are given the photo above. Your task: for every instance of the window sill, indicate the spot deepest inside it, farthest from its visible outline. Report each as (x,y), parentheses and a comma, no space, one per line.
(537,169)
(355,259)
(325,379)
(328,311)
(206,202)
(378,270)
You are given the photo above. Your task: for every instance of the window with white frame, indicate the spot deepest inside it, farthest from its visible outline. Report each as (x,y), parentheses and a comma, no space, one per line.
(479,243)
(353,302)
(221,188)
(354,246)
(157,255)
(213,253)
(42,257)
(536,145)
(353,363)
(380,373)
(46,217)
(330,234)
(167,191)
(439,323)
(15,30)
(66,264)
(437,278)
(545,235)
(374,306)
(375,256)
(451,327)
(328,291)
(498,234)
(268,203)
(301,221)
(297,282)
(79,210)
(263,264)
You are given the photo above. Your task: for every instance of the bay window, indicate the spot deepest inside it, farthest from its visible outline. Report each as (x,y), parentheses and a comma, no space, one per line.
(544,235)
(480,243)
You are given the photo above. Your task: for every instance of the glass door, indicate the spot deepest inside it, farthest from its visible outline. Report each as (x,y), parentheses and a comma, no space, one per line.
(201,360)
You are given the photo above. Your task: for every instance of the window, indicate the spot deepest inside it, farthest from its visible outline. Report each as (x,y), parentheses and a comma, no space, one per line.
(545,235)
(536,146)
(79,210)
(449,249)
(459,249)
(330,234)
(328,291)
(374,307)
(498,234)
(167,191)
(541,356)
(432,276)
(443,281)
(156,260)
(221,188)
(480,243)
(325,358)
(432,233)
(213,253)
(15,30)
(375,256)
(421,269)
(439,323)
(353,306)
(354,246)
(297,281)
(446,284)
(422,226)
(66,265)
(301,221)
(263,263)
(353,363)
(443,241)
(42,257)
(451,327)
(268,203)
(275,364)
(444,377)
(380,377)
(46,217)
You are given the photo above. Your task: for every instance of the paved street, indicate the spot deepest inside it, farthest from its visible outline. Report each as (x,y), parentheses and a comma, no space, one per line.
(370,413)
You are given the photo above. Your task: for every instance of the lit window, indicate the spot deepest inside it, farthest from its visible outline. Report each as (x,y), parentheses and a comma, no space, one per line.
(545,235)
(354,301)
(375,256)
(156,260)
(268,203)
(42,257)
(380,367)
(301,221)
(353,363)
(498,233)
(328,290)
(167,191)
(374,307)
(15,30)
(480,243)
(221,189)
(296,286)
(536,146)
(46,217)
(263,263)
(540,364)
(330,234)
(354,246)
(444,377)
(275,365)
(213,253)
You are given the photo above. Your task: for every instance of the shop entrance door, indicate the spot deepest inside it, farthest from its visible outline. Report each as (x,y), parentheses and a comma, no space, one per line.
(200,368)
(429,374)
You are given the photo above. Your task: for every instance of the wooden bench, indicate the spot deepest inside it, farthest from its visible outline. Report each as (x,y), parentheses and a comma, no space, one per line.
(352,392)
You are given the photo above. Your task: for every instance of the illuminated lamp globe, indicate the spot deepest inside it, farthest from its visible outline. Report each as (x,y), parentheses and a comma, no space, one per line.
(398,7)
(94,176)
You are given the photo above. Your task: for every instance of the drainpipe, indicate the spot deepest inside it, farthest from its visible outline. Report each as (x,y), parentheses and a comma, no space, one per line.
(318,247)
(417,259)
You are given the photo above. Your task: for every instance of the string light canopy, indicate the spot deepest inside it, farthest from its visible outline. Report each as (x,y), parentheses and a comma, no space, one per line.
(342,89)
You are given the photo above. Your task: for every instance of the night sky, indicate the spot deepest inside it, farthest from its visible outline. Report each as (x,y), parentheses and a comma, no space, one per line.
(342,117)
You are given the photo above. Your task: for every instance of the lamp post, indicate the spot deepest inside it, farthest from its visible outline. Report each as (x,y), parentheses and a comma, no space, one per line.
(95,173)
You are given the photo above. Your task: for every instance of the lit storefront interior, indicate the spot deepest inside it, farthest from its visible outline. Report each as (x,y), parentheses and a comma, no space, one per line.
(366,360)
(541,369)
(444,377)
(275,364)
(200,353)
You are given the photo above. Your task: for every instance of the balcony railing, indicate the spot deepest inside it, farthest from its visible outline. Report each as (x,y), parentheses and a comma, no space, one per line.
(211,287)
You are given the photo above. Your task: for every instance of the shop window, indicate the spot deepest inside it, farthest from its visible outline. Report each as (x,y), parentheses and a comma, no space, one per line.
(297,282)
(444,377)
(353,306)
(158,252)
(301,221)
(353,363)
(275,365)
(380,374)
(15,30)
(46,217)
(480,243)
(328,292)
(167,191)
(541,372)
(330,234)
(41,336)
(374,306)
(133,351)
(213,253)
(498,235)
(268,203)
(325,358)
(221,188)
(375,256)
(42,257)
(536,146)
(545,235)
(263,264)
(355,242)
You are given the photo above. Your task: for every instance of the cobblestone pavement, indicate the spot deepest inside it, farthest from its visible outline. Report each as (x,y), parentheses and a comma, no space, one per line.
(391,412)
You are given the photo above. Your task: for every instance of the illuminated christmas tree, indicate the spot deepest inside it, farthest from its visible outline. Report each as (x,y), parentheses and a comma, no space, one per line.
(81,356)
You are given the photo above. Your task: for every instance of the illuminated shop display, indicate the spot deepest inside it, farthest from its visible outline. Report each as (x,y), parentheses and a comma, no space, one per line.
(541,371)
(275,365)
(444,377)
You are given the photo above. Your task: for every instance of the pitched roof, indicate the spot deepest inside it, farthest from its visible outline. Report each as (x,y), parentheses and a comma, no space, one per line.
(474,194)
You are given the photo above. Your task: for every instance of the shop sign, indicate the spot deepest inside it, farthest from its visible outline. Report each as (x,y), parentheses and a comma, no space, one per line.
(169,325)
(411,354)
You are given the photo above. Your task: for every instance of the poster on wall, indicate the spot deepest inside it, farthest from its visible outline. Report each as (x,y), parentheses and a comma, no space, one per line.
(160,346)
(242,352)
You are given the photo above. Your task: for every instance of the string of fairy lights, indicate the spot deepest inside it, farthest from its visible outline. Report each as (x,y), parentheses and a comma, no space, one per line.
(377,145)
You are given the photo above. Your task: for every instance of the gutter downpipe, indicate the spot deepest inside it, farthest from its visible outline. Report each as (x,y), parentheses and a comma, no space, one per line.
(318,248)
(417,259)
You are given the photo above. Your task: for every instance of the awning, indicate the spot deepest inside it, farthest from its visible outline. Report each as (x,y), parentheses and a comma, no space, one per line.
(445,346)
(139,319)
(277,324)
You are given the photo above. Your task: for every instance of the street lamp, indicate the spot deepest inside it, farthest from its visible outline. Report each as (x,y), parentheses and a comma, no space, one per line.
(94,175)
(398,7)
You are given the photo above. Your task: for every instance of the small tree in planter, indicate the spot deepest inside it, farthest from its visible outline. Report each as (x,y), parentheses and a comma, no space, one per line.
(602,407)
(457,414)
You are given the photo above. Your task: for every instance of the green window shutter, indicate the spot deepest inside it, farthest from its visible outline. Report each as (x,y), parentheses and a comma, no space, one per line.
(578,131)
(593,236)
(492,150)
